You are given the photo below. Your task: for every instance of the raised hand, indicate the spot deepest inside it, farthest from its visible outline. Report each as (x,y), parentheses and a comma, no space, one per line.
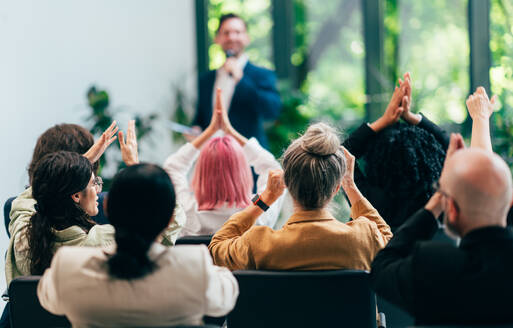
(96,151)
(407,115)
(479,106)
(275,187)
(128,146)
(348,178)
(348,183)
(393,111)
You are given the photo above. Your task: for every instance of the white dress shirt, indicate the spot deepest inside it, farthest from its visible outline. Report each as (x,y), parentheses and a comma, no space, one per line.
(198,222)
(184,287)
(226,82)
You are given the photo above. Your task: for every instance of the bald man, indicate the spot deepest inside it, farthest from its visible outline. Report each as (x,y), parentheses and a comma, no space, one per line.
(439,283)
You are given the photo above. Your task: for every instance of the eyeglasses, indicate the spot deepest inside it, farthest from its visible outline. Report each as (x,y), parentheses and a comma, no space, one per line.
(436,188)
(98,183)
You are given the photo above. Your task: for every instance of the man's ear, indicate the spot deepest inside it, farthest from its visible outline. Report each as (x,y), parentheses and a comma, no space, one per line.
(76,197)
(453,212)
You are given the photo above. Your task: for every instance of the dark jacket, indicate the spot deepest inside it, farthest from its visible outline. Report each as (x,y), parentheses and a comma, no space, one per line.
(357,144)
(440,283)
(255,99)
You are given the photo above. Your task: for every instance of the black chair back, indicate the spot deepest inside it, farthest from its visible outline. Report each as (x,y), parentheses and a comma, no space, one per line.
(194,240)
(25,309)
(340,298)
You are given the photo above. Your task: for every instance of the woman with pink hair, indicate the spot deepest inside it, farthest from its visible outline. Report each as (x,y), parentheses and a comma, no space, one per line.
(222,182)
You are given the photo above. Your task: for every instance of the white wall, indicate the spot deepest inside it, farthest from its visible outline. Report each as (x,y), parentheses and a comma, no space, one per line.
(52,51)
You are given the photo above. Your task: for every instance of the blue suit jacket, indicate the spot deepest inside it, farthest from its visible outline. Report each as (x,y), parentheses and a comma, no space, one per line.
(255,99)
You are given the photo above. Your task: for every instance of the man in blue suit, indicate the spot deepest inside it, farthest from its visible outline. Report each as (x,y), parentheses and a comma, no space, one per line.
(249,91)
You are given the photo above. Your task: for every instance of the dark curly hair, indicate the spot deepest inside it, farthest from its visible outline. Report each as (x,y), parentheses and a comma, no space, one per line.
(401,164)
(57,176)
(68,137)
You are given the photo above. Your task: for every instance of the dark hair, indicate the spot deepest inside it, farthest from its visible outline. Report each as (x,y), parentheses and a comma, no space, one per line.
(140,205)
(313,166)
(68,137)
(227,16)
(402,161)
(57,176)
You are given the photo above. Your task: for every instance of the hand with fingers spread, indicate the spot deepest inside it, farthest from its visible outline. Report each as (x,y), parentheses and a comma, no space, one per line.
(96,151)
(393,111)
(407,115)
(128,145)
(479,106)
(274,188)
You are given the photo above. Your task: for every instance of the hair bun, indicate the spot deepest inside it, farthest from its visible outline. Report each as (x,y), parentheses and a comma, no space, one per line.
(320,139)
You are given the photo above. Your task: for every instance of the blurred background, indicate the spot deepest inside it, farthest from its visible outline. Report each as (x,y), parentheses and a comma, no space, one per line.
(89,62)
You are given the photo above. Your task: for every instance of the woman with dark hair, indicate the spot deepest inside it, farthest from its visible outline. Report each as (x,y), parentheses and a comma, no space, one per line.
(41,221)
(67,137)
(139,283)
(315,168)
(400,161)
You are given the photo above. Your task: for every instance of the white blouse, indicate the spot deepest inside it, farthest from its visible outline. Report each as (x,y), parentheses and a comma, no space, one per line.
(178,165)
(184,287)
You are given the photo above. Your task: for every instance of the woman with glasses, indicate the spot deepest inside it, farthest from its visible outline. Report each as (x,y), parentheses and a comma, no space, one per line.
(56,210)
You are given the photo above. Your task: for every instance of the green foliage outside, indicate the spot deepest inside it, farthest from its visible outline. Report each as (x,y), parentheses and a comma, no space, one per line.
(501,76)
(256,14)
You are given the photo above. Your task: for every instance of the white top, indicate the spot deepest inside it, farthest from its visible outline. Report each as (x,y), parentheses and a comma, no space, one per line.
(178,165)
(226,82)
(184,287)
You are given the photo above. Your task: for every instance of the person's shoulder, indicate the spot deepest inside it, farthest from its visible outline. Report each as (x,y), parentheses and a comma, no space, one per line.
(435,257)
(187,253)
(76,256)
(254,69)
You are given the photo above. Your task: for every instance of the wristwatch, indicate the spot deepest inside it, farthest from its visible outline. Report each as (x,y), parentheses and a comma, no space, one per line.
(258,202)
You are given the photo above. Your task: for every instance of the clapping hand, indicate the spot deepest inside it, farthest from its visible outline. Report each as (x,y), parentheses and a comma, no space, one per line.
(96,151)
(407,115)
(275,187)
(479,106)
(128,146)
(393,111)
(348,178)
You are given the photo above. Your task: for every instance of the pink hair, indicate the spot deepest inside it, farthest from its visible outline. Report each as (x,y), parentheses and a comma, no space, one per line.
(222,175)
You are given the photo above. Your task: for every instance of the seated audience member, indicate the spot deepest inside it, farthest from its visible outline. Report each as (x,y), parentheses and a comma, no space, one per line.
(401,160)
(138,283)
(315,167)
(222,182)
(440,283)
(59,218)
(480,108)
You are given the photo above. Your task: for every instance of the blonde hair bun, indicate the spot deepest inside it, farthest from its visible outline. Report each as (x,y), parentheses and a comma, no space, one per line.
(320,139)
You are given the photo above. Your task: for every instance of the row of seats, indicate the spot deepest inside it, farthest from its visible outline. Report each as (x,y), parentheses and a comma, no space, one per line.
(267,299)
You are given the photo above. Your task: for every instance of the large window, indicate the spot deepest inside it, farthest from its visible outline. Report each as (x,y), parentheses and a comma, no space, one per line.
(330,59)
(434,46)
(501,75)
